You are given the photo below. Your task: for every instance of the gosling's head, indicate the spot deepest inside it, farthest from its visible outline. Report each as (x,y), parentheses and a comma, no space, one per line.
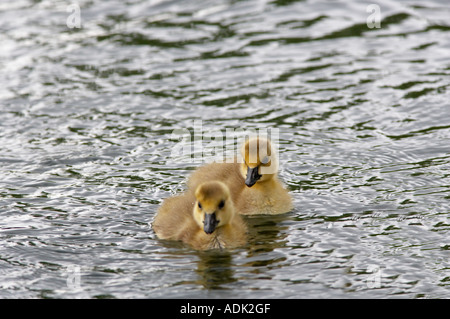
(260,162)
(213,207)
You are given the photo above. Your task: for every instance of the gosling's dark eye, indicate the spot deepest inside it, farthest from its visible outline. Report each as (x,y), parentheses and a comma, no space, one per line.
(221,204)
(199,205)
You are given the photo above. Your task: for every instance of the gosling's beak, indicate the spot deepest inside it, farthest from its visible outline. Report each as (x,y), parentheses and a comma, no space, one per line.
(210,223)
(252,176)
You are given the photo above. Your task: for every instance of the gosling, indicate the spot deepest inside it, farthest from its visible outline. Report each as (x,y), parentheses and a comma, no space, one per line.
(204,220)
(253,182)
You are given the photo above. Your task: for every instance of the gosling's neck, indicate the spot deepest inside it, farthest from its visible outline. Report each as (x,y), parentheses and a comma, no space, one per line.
(216,239)
(265,185)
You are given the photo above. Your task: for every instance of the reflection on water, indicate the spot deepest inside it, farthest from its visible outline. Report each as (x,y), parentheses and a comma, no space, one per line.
(215,269)
(86,146)
(266,233)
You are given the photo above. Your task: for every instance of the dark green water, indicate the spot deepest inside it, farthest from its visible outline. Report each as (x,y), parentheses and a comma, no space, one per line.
(86,142)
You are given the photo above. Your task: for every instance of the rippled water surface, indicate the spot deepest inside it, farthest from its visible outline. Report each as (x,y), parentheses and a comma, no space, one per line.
(86,145)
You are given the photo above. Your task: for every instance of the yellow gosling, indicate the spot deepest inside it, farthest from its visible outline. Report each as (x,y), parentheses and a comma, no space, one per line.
(254,184)
(204,220)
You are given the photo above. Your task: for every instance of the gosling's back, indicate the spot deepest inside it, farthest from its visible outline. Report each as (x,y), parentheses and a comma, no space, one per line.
(174,220)
(227,173)
(268,197)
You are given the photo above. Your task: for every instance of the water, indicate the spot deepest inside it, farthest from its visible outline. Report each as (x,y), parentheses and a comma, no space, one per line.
(85,134)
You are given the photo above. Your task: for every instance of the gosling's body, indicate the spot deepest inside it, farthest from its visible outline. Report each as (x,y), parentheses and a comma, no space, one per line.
(268,197)
(181,218)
